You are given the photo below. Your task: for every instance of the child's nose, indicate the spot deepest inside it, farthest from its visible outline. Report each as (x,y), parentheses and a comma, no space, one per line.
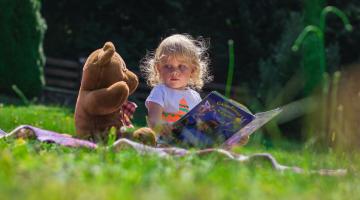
(175,72)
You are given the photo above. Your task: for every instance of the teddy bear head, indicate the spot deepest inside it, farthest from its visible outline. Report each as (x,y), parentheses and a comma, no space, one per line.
(104,67)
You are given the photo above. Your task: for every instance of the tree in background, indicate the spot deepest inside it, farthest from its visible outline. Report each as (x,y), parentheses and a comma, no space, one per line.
(21,53)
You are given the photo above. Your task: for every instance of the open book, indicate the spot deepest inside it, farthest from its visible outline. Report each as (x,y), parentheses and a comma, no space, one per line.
(216,121)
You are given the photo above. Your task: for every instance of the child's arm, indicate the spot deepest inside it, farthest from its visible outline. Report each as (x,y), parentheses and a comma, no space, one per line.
(154,119)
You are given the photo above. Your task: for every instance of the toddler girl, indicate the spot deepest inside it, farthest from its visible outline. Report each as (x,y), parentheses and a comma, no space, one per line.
(178,67)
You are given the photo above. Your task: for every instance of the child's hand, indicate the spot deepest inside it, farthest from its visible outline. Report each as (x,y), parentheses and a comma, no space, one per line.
(163,129)
(243,141)
(154,119)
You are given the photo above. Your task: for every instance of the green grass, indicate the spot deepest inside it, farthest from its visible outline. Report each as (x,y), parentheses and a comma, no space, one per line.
(52,118)
(31,170)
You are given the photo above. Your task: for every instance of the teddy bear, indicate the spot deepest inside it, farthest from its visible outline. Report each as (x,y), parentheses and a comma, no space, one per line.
(102,100)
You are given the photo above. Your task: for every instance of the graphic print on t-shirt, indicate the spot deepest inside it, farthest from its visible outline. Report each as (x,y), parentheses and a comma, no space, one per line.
(173,117)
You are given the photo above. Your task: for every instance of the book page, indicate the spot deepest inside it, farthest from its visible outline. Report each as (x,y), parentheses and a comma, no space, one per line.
(260,119)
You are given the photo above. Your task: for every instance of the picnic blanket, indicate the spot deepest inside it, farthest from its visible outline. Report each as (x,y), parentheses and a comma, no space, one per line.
(30,132)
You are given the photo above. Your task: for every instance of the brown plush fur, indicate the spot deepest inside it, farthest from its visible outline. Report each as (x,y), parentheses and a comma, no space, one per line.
(145,136)
(106,84)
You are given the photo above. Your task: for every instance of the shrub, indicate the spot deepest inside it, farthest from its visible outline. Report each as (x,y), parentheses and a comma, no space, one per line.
(21,54)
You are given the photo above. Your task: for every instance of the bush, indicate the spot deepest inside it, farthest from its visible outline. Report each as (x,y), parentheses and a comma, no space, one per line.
(21,54)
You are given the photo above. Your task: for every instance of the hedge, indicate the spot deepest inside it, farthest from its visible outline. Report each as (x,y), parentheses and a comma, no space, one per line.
(22,58)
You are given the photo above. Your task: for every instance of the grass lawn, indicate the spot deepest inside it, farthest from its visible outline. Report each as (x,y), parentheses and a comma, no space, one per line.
(31,170)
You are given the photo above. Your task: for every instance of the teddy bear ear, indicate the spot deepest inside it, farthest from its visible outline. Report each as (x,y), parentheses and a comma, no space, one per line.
(106,53)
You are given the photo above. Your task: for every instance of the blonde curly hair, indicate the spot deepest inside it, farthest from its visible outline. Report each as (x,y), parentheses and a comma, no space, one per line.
(179,46)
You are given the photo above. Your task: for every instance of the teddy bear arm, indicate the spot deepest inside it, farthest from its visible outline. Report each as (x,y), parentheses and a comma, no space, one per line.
(107,100)
(132,82)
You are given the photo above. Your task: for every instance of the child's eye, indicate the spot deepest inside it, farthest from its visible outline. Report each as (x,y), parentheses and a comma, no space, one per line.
(167,66)
(183,68)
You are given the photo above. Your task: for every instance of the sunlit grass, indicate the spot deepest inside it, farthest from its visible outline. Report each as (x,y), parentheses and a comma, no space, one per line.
(52,118)
(31,170)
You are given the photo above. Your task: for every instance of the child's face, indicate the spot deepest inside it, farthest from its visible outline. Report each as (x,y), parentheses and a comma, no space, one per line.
(175,72)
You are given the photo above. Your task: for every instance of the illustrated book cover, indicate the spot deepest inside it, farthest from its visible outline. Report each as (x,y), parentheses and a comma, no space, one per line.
(216,121)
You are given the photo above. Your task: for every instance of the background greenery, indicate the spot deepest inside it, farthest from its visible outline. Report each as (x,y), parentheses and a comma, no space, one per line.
(22,30)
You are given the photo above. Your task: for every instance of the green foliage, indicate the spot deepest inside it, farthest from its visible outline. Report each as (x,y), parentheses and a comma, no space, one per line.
(348,42)
(230,69)
(281,67)
(312,11)
(112,136)
(20,94)
(314,59)
(314,69)
(286,76)
(21,54)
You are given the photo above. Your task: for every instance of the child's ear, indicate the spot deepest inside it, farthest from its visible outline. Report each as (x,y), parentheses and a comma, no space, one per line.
(157,70)
(193,71)
(158,67)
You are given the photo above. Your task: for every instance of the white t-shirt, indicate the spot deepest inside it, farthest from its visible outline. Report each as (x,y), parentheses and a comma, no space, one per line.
(174,102)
